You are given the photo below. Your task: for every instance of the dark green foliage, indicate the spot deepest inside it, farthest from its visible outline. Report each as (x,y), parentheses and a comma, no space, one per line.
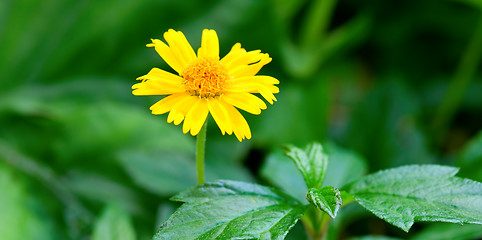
(113,224)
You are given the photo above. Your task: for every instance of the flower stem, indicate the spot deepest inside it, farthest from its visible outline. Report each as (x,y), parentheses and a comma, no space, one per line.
(317,21)
(200,147)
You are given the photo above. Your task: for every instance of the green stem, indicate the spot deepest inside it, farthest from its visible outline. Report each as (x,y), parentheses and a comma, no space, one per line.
(200,147)
(317,22)
(463,75)
(315,222)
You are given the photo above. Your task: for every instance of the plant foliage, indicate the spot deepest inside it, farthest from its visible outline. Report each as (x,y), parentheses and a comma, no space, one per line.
(231,210)
(404,195)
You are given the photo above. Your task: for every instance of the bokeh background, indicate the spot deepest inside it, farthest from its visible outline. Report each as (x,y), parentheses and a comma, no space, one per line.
(380,83)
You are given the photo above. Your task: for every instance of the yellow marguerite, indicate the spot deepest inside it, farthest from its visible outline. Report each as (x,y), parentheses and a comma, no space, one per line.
(207,84)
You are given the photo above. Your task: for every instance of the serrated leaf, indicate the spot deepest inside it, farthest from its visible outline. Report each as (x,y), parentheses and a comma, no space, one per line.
(231,210)
(412,193)
(344,167)
(114,224)
(328,199)
(311,162)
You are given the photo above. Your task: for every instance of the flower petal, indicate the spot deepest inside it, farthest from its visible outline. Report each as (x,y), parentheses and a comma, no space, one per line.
(151,87)
(239,124)
(244,59)
(241,63)
(180,47)
(250,70)
(209,45)
(158,82)
(235,51)
(196,116)
(267,94)
(159,74)
(166,104)
(166,53)
(256,84)
(256,79)
(220,115)
(180,109)
(246,101)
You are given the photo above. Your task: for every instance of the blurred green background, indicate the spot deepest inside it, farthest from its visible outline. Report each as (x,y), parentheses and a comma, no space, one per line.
(381,83)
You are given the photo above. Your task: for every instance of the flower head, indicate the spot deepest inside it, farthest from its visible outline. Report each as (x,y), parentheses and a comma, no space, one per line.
(207,84)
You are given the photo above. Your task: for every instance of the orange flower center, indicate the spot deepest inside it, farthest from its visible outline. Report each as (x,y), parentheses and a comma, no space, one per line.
(205,78)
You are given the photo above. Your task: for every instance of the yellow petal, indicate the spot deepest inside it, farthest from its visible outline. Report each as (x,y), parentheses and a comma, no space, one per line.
(256,84)
(141,89)
(256,79)
(239,124)
(196,116)
(220,115)
(180,109)
(158,82)
(241,63)
(165,52)
(244,59)
(166,104)
(235,51)
(250,70)
(180,47)
(151,87)
(245,101)
(253,88)
(159,74)
(209,45)
(267,94)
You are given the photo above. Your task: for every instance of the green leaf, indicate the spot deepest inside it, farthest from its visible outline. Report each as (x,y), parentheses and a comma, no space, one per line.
(93,187)
(447,231)
(231,210)
(311,162)
(470,159)
(412,193)
(373,237)
(281,172)
(114,224)
(161,172)
(169,172)
(344,166)
(327,199)
(22,216)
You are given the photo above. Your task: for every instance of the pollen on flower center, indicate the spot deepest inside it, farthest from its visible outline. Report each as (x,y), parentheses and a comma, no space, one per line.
(205,77)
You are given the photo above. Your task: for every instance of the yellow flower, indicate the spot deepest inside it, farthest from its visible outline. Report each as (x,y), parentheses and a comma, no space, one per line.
(207,84)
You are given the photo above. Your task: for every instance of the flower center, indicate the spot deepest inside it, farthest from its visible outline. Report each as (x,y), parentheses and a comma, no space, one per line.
(205,78)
